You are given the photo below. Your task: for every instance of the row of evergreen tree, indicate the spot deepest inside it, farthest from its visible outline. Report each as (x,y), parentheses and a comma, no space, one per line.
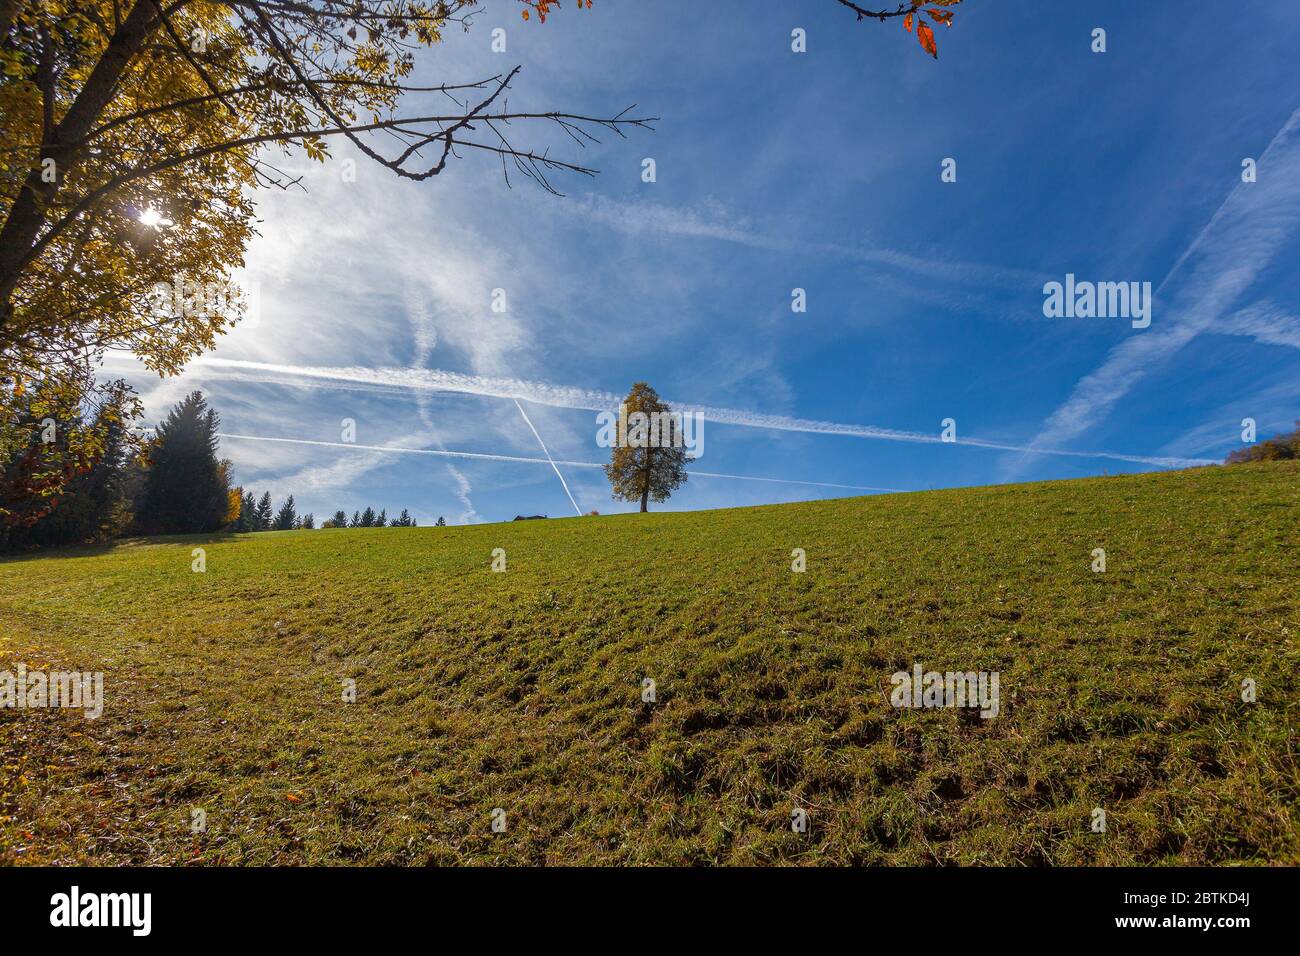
(257,514)
(176,486)
(370,519)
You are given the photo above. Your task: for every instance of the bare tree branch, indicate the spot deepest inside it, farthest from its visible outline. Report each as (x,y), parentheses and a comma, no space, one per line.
(882,16)
(116,182)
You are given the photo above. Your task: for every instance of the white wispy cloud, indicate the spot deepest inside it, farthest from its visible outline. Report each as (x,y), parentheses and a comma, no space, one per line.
(1264,322)
(1225,259)
(1274,406)
(339,473)
(711,221)
(425,334)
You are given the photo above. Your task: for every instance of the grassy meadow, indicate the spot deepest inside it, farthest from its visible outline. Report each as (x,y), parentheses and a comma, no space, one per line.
(522,690)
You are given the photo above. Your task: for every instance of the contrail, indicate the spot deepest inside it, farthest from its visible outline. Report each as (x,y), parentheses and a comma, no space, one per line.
(483,456)
(565,484)
(1226,258)
(425,334)
(564,396)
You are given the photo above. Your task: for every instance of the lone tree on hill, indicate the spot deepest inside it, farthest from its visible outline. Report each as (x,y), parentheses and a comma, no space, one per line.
(647,462)
(186,489)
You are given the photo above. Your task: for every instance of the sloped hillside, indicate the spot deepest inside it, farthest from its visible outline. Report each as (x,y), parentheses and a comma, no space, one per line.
(522,691)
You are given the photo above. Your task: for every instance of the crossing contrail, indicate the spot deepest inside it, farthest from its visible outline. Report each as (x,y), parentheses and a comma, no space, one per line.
(524,459)
(565,396)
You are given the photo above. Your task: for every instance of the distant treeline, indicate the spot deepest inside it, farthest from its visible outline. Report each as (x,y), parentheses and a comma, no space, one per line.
(172,483)
(258,515)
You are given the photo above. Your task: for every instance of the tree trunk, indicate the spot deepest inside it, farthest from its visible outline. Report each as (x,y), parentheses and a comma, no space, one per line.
(645,478)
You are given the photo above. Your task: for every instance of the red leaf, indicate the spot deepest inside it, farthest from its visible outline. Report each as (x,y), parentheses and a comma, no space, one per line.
(926,36)
(907,23)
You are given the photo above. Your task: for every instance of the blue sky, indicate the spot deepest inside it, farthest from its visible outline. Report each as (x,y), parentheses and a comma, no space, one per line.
(778,170)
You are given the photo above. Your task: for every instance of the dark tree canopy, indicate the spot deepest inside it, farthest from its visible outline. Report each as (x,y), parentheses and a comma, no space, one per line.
(286,517)
(186,490)
(91,506)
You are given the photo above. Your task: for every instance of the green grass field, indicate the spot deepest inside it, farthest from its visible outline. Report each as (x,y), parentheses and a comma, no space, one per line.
(522,690)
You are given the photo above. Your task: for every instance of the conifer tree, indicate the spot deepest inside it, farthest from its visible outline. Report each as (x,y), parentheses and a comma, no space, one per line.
(286,516)
(185,487)
(263,515)
(247,513)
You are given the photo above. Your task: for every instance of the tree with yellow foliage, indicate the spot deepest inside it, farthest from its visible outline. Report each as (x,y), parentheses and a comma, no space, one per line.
(648,460)
(137,133)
